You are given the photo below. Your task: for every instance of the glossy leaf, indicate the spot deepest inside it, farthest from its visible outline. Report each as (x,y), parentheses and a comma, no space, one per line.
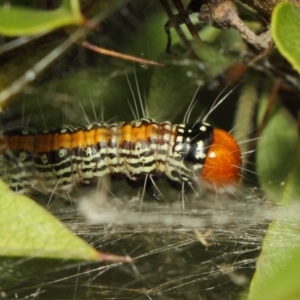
(27,229)
(278,267)
(285,32)
(18,21)
(32,241)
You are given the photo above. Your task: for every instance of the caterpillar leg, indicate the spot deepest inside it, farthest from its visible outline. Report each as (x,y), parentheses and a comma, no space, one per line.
(149,187)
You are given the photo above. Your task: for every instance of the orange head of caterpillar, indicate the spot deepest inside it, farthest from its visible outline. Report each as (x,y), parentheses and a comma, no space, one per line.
(223,161)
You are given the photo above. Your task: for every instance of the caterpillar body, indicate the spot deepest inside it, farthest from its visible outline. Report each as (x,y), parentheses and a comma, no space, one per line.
(141,151)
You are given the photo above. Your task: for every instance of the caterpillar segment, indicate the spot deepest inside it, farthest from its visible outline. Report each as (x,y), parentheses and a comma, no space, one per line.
(59,160)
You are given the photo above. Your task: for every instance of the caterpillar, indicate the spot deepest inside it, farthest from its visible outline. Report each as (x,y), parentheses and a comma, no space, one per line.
(141,151)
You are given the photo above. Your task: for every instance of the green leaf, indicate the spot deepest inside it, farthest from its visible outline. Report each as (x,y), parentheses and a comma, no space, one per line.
(18,21)
(170,95)
(285,32)
(291,191)
(278,267)
(276,151)
(82,98)
(33,242)
(27,229)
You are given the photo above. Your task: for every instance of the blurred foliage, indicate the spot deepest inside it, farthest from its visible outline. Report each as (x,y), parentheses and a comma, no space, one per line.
(278,141)
(78,87)
(20,21)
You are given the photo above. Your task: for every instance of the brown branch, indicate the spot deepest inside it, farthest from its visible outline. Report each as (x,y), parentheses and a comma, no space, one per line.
(112,53)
